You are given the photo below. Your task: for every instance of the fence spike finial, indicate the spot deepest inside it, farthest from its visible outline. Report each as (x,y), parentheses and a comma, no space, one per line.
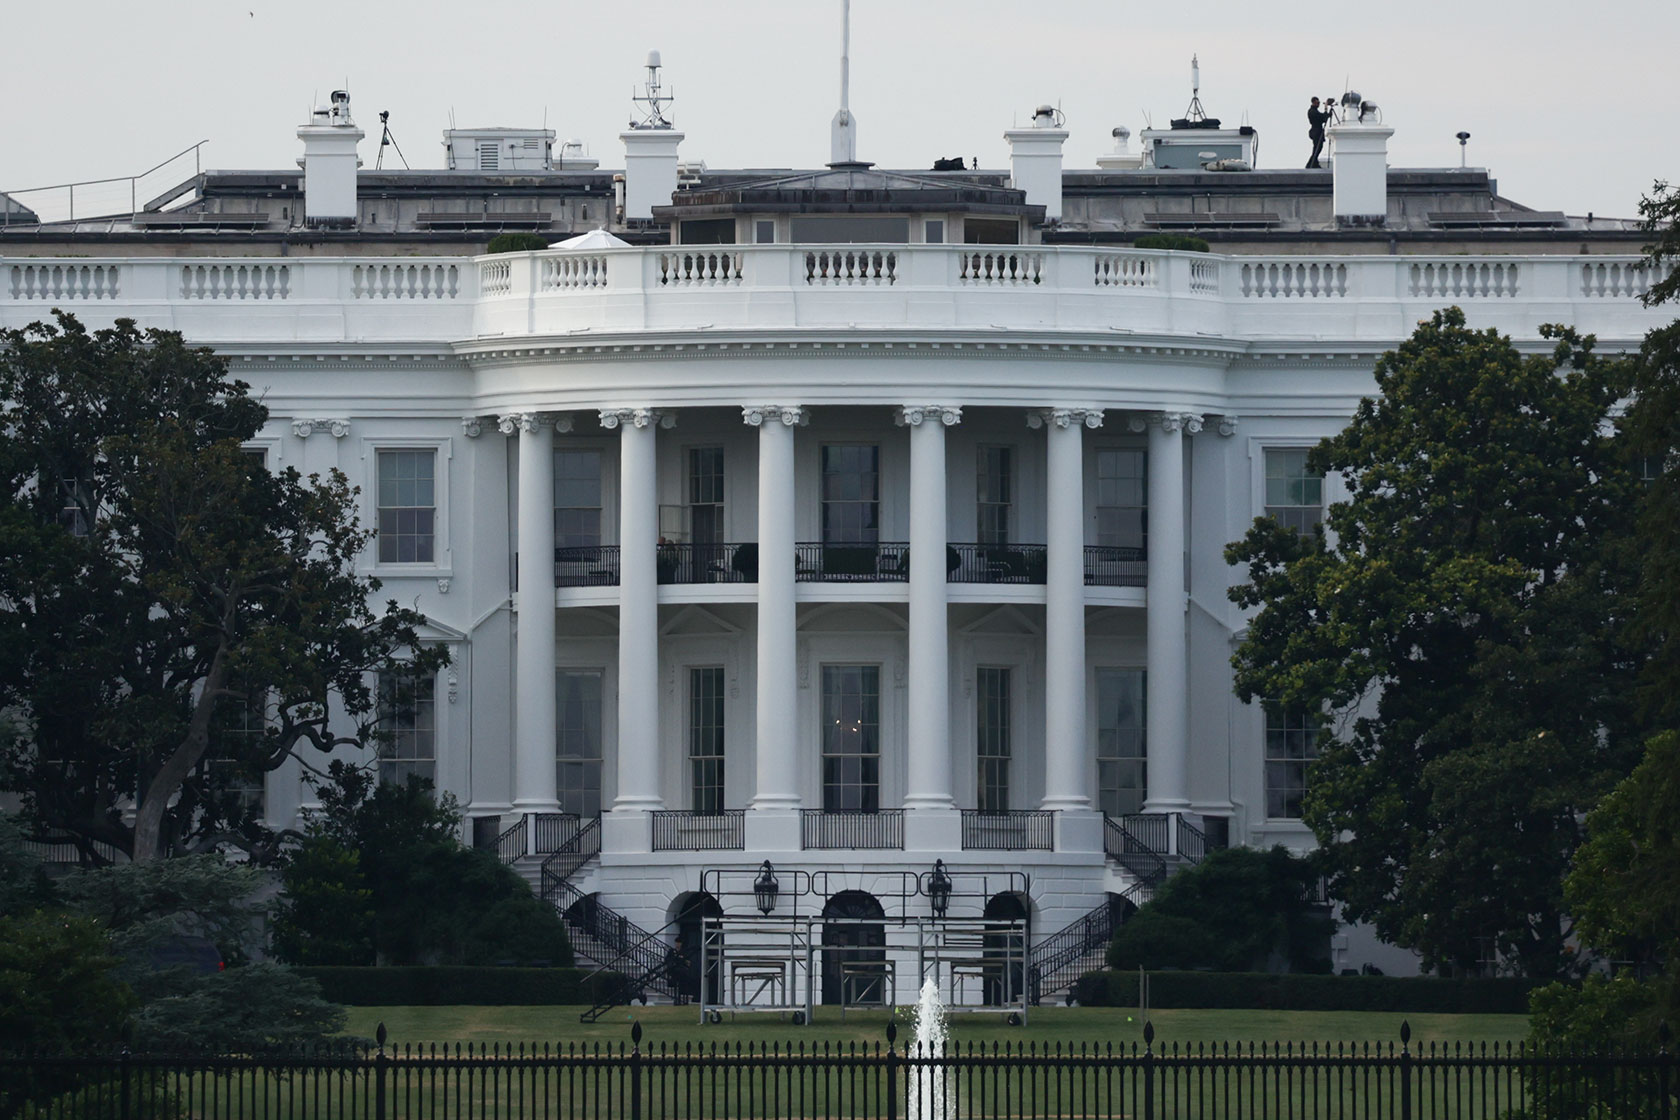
(1405,1031)
(380,1035)
(892,1033)
(1148,1031)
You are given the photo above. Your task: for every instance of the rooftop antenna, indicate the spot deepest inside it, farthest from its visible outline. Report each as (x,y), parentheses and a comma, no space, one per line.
(1195,112)
(1463,142)
(385,138)
(843,131)
(652,99)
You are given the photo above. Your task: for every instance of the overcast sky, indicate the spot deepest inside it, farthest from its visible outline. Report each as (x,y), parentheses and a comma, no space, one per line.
(1570,105)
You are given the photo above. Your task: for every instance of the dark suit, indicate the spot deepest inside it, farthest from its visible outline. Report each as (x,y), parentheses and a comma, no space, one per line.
(1315,132)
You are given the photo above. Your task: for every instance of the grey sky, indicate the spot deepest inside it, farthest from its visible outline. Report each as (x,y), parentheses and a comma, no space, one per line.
(1570,105)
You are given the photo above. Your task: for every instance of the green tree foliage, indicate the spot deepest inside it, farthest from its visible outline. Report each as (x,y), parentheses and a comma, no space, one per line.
(143,905)
(155,580)
(258,1006)
(59,988)
(1183,242)
(23,880)
(381,877)
(517,243)
(1239,910)
(1458,623)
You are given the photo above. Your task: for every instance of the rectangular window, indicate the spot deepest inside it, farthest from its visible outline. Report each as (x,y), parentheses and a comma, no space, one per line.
(1294,494)
(578,741)
(935,231)
(708,231)
(851,738)
(764,233)
(407,506)
(1122,744)
(1291,746)
(851,493)
(240,741)
(74,507)
(705,495)
(1123,501)
(991,231)
(992,746)
(577,498)
(849,229)
(705,739)
(407,727)
(995,494)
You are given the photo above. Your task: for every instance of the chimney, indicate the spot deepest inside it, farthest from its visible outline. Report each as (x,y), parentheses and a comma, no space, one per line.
(329,164)
(1121,158)
(650,150)
(1035,160)
(1359,163)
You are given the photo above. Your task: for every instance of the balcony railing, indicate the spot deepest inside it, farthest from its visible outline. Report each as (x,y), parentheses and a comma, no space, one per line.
(685,830)
(1014,830)
(1115,566)
(1135,852)
(821,829)
(708,563)
(594,565)
(885,562)
(997,563)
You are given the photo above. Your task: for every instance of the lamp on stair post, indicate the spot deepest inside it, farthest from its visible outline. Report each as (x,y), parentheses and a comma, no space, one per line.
(939,889)
(765,889)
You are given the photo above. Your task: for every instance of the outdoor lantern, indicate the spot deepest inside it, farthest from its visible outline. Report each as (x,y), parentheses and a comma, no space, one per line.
(765,888)
(939,888)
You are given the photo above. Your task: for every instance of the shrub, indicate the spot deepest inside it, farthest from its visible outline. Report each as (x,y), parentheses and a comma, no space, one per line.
(1278,991)
(59,990)
(517,243)
(1182,242)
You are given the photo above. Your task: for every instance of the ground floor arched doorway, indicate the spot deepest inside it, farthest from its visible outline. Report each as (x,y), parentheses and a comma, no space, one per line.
(1005,945)
(687,957)
(854,950)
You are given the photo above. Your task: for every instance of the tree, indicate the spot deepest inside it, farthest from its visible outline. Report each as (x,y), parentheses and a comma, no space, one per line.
(381,877)
(1460,624)
(156,581)
(1239,910)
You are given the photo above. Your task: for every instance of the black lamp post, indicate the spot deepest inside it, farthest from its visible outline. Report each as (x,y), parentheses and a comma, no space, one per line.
(939,889)
(765,888)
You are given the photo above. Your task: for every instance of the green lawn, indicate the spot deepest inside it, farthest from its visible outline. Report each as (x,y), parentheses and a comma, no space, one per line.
(1046,1025)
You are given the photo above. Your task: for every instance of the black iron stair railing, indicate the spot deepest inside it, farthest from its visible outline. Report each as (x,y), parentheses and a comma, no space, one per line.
(1125,847)
(1066,955)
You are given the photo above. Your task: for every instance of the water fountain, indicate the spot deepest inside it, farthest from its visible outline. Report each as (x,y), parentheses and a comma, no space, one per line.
(928,1100)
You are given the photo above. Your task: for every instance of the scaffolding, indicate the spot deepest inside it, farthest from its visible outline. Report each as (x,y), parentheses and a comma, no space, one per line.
(780,959)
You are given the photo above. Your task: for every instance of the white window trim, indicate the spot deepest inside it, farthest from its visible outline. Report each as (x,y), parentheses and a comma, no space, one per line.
(1257,448)
(442,562)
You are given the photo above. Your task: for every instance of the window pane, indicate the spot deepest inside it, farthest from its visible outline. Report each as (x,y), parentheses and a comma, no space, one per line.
(1294,495)
(851,740)
(995,492)
(1122,506)
(577,498)
(1122,744)
(992,747)
(578,741)
(1291,747)
(406,511)
(705,738)
(407,727)
(851,493)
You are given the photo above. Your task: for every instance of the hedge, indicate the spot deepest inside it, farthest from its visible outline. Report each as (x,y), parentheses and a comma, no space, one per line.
(449,985)
(1305,992)
(517,243)
(1183,242)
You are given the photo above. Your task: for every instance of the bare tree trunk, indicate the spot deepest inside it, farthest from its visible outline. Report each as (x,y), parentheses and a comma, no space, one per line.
(154,801)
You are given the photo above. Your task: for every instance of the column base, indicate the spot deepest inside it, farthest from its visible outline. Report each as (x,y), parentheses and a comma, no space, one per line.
(1079,830)
(522,806)
(936,829)
(772,831)
(627,831)
(1167,805)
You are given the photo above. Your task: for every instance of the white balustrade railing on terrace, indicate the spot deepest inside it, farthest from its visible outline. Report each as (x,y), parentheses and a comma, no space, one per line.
(1373,299)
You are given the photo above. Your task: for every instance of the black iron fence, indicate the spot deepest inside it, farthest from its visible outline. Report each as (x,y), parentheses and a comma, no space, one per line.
(1025,1080)
(886,562)
(1013,830)
(821,829)
(1111,566)
(512,842)
(707,563)
(997,563)
(685,830)
(593,565)
(1131,851)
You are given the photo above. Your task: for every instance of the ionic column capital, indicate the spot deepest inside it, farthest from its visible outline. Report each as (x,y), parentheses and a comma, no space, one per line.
(1064,417)
(530,422)
(637,418)
(757,415)
(912,415)
(1228,425)
(472,426)
(1190,422)
(304,427)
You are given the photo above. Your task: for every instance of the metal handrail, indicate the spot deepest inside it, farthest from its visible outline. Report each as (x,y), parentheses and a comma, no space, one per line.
(1114,566)
(687,563)
(998,563)
(1133,854)
(1192,841)
(689,830)
(1008,830)
(851,562)
(581,847)
(510,843)
(821,829)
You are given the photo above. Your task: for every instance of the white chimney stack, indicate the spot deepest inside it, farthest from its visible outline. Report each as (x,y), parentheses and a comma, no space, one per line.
(650,150)
(1035,160)
(1359,163)
(329,163)
(1122,157)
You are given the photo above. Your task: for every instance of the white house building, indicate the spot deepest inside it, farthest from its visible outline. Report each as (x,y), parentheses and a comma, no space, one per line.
(849,520)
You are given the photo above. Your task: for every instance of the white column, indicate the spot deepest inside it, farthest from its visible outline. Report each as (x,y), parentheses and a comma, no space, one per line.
(1067,773)
(778,674)
(638,606)
(534,770)
(929,783)
(1167,695)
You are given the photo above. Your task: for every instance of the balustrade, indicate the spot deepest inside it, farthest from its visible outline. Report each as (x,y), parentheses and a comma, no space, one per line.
(1463,280)
(66,281)
(235,281)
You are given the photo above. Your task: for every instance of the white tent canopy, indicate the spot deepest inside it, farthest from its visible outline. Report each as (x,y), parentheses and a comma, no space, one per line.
(594,239)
